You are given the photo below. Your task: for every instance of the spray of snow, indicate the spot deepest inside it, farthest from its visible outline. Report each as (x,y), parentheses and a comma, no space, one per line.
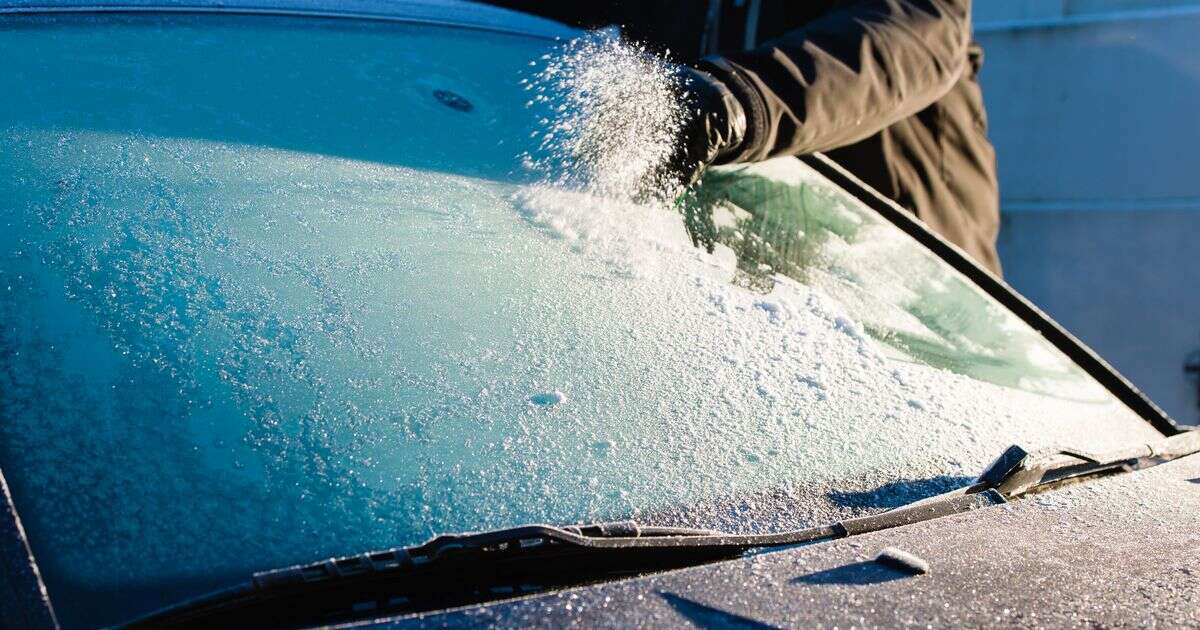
(610,113)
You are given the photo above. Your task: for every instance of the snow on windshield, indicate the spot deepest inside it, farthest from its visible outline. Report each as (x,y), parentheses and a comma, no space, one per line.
(237,335)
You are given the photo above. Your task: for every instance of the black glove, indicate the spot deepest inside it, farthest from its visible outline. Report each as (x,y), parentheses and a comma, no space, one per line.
(715,125)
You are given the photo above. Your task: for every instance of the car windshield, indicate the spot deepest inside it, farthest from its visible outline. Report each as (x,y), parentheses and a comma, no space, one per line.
(278,289)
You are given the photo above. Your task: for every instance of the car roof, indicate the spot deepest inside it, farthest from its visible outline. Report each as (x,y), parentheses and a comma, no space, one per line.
(460,13)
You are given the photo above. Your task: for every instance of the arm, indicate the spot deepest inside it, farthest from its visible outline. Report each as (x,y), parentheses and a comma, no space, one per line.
(845,76)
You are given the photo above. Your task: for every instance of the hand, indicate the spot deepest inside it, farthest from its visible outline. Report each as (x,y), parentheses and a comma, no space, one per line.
(715,125)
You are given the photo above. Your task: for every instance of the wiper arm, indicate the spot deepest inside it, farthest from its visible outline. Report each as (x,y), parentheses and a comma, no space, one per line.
(1017,471)
(462,569)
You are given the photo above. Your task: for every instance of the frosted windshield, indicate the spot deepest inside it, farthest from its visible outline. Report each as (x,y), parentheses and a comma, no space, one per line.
(276,290)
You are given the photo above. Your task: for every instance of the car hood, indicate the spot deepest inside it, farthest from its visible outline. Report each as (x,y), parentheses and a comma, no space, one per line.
(1115,551)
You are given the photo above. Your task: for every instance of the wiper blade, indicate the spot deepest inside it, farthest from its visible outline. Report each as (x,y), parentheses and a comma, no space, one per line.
(462,569)
(449,570)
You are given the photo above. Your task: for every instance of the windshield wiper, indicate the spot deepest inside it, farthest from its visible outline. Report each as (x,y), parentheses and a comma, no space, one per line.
(462,569)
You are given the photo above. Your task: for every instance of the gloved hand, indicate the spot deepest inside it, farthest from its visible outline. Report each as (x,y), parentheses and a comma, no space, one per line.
(714,128)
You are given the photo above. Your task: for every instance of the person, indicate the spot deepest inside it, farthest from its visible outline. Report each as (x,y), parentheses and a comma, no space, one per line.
(886,88)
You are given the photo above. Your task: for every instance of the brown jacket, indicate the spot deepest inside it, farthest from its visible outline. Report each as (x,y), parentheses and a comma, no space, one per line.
(887,88)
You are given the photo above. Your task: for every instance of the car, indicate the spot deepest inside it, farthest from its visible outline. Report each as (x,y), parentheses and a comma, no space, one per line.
(295,333)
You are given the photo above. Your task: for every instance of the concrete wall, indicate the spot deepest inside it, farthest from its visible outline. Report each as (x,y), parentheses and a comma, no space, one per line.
(1094,109)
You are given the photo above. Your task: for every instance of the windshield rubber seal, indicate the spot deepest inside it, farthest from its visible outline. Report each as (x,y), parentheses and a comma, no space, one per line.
(997,289)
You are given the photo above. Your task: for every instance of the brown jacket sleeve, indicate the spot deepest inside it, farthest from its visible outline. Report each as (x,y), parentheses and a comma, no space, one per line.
(847,75)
